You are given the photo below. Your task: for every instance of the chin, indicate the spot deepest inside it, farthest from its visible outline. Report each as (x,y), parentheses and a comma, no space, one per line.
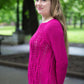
(40,13)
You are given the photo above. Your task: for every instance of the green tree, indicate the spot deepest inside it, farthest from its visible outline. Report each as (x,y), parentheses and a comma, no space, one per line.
(7,4)
(8,8)
(29,17)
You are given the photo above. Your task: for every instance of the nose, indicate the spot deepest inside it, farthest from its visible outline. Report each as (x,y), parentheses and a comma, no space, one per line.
(39,2)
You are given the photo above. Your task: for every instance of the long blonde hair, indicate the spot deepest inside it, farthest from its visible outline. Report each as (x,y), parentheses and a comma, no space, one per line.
(56,12)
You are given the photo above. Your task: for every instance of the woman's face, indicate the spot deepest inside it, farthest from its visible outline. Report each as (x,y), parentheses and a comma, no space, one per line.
(43,7)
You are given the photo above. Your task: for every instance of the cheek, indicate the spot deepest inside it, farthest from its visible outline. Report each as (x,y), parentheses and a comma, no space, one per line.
(35,4)
(47,8)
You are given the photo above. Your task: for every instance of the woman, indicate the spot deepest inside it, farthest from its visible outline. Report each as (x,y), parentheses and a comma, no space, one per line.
(48,59)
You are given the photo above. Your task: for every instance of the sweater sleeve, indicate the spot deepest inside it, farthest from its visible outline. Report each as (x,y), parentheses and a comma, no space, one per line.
(56,39)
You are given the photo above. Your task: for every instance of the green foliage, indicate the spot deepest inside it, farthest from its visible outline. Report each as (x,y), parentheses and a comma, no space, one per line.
(27,14)
(8,11)
(7,16)
(75,6)
(7,4)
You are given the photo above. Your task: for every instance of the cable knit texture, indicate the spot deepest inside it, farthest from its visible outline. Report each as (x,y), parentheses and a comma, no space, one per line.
(48,60)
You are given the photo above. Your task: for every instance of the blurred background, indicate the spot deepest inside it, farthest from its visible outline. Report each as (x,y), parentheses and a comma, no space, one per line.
(18,22)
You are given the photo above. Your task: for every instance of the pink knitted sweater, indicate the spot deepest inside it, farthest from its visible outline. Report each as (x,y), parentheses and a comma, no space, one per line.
(48,60)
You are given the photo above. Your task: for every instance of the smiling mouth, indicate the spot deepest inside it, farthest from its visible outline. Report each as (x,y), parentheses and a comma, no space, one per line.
(39,8)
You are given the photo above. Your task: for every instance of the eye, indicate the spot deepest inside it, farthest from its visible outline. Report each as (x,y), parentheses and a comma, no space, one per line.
(43,0)
(37,0)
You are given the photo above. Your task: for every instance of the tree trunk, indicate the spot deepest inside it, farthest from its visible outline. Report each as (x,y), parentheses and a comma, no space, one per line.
(74,22)
(17,23)
(81,22)
(29,17)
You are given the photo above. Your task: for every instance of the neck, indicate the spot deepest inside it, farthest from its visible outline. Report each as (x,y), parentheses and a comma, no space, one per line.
(45,19)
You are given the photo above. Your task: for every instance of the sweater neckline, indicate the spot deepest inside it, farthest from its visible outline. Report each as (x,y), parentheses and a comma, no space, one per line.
(47,21)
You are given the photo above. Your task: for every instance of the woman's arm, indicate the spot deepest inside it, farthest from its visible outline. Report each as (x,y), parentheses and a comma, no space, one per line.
(56,39)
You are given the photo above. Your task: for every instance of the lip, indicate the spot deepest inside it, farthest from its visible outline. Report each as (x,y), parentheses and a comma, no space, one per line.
(39,8)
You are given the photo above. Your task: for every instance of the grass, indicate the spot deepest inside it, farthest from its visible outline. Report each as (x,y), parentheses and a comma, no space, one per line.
(7,30)
(75,35)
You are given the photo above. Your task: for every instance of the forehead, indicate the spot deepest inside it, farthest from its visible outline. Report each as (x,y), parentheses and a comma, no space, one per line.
(42,0)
